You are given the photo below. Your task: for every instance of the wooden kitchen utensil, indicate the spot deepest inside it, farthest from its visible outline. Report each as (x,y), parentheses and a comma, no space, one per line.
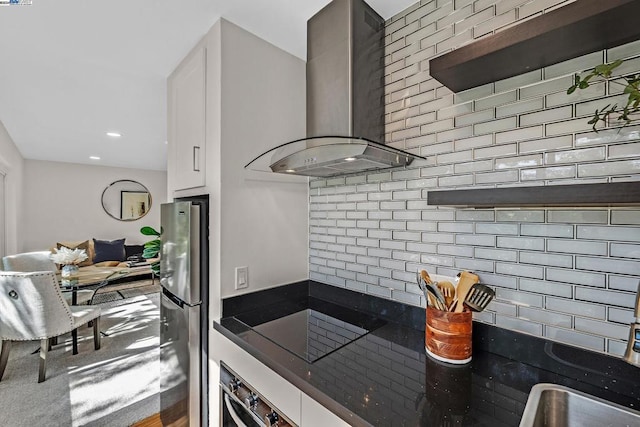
(467,280)
(425,276)
(448,292)
(479,297)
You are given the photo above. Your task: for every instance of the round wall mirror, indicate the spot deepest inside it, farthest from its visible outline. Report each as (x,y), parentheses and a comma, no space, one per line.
(126,200)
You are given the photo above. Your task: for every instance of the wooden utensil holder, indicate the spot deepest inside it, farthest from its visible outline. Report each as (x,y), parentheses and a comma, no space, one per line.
(448,336)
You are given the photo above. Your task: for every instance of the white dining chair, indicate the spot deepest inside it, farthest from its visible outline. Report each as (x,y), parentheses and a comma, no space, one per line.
(32,308)
(41,261)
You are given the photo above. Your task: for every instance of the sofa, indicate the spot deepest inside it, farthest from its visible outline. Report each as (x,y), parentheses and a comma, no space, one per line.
(109,254)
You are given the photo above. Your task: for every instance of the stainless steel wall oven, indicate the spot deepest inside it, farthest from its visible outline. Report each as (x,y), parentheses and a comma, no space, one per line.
(243,406)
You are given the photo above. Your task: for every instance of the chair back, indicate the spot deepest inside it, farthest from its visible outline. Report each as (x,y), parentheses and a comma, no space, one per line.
(29,261)
(32,307)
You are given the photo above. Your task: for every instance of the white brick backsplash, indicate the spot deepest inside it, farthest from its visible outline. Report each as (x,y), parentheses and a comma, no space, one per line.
(497,177)
(467,239)
(543,316)
(568,306)
(518,81)
(582,340)
(518,162)
(608,296)
(495,125)
(631,133)
(547,86)
(553,260)
(520,215)
(607,265)
(497,254)
(624,150)
(546,287)
(497,229)
(624,51)
(608,233)
(520,243)
(589,108)
(576,277)
(546,116)
(625,217)
(575,156)
(519,325)
(577,247)
(596,90)
(547,230)
(624,283)
(623,167)
(550,173)
(602,328)
(581,63)
(519,135)
(578,216)
(492,152)
(493,24)
(568,274)
(533,272)
(520,107)
(621,316)
(505,5)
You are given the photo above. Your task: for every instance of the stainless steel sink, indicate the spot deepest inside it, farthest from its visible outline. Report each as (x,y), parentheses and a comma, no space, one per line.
(558,406)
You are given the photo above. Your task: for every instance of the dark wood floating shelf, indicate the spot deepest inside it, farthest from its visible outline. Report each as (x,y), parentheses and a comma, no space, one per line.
(576,195)
(570,31)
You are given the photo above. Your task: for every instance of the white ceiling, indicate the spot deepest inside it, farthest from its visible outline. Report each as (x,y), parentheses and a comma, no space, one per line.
(72,70)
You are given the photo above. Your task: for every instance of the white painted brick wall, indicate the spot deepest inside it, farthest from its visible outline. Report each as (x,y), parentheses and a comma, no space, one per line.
(565,274)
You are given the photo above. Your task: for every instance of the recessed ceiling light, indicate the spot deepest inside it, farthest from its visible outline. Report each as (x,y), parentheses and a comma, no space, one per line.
(114,134)
(349,159)
(94,157)
(290,170)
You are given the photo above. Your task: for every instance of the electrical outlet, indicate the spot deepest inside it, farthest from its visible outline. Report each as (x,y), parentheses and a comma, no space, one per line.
(242,277)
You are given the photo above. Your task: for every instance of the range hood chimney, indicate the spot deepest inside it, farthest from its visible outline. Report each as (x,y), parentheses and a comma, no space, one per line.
(345,98)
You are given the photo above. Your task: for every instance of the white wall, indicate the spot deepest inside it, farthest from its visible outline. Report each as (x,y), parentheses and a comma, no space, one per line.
(264,223)
(63,202)
(12,165)
(255,101)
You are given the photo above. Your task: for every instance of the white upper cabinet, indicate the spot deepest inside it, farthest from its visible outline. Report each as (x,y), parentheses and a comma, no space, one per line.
(187,120)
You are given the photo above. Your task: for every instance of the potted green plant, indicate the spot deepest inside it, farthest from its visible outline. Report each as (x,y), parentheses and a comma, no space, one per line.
(611,114)
(152,247)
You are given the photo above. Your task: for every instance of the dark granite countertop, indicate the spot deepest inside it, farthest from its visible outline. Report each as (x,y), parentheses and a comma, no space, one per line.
(384,378)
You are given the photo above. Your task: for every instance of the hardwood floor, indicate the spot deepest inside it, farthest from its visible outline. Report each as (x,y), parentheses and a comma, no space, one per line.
(155,421)
(174,414)
(152,421)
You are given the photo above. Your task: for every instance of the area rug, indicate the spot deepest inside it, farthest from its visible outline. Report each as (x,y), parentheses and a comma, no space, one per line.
(114,386)
(125,290)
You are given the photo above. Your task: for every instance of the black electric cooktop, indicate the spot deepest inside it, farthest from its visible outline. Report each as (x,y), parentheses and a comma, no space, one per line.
(312,330)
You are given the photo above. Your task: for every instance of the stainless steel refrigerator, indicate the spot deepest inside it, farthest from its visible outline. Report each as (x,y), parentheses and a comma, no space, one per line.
(183,314)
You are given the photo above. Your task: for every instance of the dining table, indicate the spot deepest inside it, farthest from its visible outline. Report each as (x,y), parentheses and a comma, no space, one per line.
(95,279)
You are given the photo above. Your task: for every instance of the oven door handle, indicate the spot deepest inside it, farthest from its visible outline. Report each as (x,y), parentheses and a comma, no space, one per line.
(232,412)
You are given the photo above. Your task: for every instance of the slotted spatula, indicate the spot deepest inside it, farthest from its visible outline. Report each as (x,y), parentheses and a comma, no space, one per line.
(479,297)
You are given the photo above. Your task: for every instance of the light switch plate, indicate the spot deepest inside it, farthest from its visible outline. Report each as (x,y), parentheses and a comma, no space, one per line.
(242,277)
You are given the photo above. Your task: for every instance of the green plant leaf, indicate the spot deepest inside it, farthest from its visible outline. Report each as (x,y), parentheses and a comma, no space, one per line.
(149,253)
(149,231)
(153,243)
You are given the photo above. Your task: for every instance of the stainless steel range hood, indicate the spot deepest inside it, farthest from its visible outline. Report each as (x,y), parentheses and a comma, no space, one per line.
(345,99)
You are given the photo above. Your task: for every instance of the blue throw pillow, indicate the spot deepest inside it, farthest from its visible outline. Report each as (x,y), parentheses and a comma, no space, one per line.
(109,250)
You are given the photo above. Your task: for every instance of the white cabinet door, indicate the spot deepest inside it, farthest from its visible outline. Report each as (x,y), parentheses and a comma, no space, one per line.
(316,415)
(187,120)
